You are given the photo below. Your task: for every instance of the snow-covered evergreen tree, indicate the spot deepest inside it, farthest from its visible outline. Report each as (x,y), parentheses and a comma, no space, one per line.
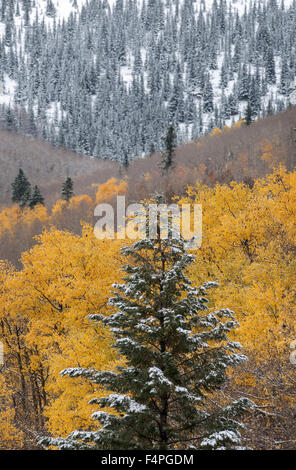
(177,354)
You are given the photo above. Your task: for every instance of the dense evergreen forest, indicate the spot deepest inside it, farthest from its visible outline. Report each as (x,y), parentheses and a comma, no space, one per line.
(109,79)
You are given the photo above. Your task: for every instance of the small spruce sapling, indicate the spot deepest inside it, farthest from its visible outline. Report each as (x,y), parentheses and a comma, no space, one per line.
(36,198)
(21,189)
(170,142)
(67,189)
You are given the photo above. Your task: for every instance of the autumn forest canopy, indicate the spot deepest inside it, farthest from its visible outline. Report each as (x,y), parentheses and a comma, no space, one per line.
(163,343)
(170,314)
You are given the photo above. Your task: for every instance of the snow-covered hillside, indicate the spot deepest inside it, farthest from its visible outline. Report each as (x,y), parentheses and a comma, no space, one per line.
(106,77)
(63,7)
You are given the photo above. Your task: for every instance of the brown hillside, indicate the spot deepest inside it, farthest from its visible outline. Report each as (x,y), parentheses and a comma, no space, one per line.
(240,154)
(46,166)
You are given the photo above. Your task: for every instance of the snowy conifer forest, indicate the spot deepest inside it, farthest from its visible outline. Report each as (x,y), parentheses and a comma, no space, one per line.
(106,78)
(147,229)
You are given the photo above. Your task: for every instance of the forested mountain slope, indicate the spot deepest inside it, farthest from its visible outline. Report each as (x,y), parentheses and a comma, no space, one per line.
(240,153)
(106,78)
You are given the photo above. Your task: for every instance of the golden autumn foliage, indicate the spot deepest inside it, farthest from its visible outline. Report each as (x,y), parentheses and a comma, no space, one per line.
(64,279)
(267,152)
(216,131)
(10,436)
(238,124)
(248,246)
(111,188)
(18,227)
(10,218)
